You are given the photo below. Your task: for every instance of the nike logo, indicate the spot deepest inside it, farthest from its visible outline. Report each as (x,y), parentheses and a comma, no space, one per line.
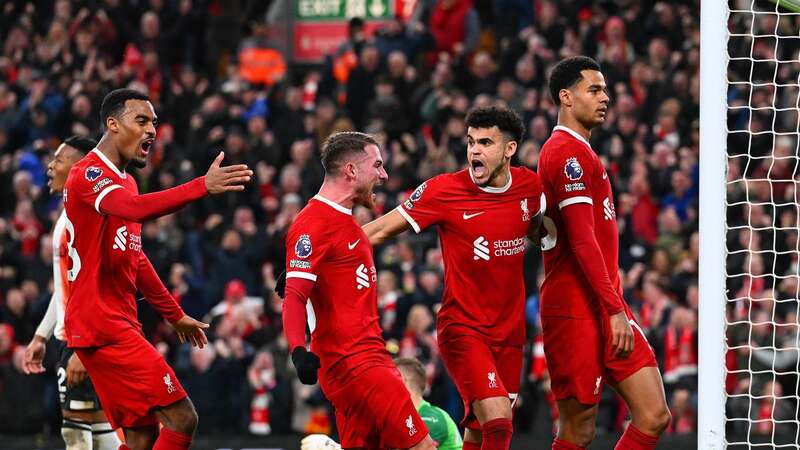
(470,216)
(353,245)
(605,175)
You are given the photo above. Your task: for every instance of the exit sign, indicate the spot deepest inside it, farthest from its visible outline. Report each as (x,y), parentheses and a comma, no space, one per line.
(323,10)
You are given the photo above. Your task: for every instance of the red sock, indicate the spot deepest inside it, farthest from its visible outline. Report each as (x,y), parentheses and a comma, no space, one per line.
(497,434)
(558,444)
(123,447)
(467,445)
(634,439)
(172,440)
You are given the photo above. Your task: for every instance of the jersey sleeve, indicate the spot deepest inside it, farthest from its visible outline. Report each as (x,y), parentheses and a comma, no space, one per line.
(306,246)
(48,324)
(570,173)
(536,194)
(91,185)
(423,207)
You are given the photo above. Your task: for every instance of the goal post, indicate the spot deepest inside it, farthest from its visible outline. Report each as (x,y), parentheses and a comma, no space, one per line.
(749,332)
(713,161)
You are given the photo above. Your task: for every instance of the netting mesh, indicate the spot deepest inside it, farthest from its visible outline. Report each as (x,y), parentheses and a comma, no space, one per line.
(762,338)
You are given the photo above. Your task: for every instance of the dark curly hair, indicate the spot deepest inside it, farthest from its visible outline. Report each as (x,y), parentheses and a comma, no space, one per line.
(506,119)
(568,72)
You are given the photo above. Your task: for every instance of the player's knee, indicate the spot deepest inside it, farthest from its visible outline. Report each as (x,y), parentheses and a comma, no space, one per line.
(657,421)
(471,435)
(190,420)
(579,432)
(185,419)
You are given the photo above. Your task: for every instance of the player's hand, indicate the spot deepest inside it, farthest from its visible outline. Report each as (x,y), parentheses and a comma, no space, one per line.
(190,330)
(307,364)
(280,285)
(319,442)
(34,355)
(226,179)
(76,373)
(622,335)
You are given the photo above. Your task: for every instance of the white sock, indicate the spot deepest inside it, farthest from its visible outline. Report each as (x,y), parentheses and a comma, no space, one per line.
(77,435)
(104,437)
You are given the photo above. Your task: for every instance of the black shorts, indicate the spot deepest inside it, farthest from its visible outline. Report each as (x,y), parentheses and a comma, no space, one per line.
(78,398)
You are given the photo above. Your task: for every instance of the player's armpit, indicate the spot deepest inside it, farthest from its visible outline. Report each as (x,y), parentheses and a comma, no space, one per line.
(139,208)
(386,226)
(155,292)
(579,221)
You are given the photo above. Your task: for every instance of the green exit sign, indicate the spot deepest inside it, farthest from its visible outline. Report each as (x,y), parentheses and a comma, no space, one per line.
(311,10)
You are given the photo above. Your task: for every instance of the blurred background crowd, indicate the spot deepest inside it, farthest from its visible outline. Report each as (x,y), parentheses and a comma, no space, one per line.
(410,83)
(762,217)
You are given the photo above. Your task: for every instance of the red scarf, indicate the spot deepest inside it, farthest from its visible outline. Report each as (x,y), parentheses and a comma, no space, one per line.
(765,417)
(448,25)
(680,354)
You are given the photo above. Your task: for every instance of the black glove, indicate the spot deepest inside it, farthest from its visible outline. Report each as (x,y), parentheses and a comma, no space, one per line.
(307,364)
(280,285)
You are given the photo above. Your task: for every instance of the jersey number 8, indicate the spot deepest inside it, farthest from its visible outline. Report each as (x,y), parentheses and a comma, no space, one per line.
(72,273)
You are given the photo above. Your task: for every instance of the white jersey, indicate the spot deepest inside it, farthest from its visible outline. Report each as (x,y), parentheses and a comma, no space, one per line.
(53,321)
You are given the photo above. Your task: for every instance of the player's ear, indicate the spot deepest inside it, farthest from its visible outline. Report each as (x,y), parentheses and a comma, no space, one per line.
(511,148)
(565,96)
(112,124)
(349,170)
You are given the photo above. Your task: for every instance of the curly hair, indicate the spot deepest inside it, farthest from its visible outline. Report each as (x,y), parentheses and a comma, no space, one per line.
(506,119)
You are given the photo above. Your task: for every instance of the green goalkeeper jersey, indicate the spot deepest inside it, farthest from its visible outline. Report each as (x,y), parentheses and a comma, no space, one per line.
(441,427)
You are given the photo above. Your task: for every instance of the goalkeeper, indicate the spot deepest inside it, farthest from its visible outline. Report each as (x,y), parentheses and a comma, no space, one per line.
(441,427)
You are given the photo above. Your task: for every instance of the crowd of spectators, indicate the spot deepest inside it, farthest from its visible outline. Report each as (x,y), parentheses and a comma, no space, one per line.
(410,84)
(762,217)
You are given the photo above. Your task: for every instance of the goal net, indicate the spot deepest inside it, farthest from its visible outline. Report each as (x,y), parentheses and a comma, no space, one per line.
(762,342)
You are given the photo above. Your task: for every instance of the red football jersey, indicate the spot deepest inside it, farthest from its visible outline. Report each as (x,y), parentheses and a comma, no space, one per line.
(104,255)
(327,246)
(572,173)
(483,233)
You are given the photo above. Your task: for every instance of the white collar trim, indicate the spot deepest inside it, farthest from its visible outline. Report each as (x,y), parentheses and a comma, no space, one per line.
(334,205)
(108,162)
(490,189)
(573,133)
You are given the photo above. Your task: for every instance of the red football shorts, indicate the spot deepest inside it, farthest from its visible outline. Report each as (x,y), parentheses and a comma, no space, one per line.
(374,411)
(131,378)
(579,357)
(479,369)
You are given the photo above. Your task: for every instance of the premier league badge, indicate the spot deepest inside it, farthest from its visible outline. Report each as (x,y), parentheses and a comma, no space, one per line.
(93,173)
(303,247)
(573,169)
(417,194)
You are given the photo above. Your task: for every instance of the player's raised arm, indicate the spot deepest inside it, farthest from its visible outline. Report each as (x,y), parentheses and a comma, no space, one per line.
(139,208)
(385,227)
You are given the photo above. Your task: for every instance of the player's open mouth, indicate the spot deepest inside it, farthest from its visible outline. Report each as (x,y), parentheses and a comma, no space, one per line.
(147,145)
(478,168)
